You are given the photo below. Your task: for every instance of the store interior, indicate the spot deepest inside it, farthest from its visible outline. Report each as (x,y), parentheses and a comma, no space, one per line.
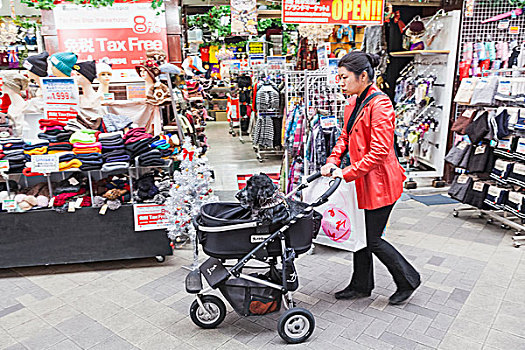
(231,105)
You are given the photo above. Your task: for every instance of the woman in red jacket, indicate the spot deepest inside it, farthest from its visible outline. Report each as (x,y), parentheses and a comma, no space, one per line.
(368,136)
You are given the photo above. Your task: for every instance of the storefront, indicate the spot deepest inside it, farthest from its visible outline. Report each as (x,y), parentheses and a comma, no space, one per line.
(98,138)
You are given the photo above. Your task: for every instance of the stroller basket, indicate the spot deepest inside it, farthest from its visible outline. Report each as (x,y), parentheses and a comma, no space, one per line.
(226,231)
(250,298)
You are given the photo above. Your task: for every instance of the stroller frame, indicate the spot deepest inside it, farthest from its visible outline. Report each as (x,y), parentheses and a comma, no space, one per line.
(290,322)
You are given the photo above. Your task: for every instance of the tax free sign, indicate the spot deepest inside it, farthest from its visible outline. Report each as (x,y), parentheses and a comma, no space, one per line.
(123,32)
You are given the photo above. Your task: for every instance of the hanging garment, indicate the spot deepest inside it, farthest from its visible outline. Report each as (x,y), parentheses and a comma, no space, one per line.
(233,110)
(268,98)
(264,131)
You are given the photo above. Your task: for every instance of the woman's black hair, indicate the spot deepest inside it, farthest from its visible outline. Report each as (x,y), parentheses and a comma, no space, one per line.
(358,62)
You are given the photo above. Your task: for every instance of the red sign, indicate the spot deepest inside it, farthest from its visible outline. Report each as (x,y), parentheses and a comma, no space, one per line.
(150,217)
(61,115)
(360,12)
(123,32)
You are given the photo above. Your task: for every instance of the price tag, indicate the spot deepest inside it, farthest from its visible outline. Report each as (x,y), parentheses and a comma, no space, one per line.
(515,197)
(71,207)
(4,165)
(328,121)
(9,205)
(501,165)
(59,90)
(480,149)
(78,203)
(478,186)
(519,169)
(103,210)
(462,179)
(504,24)
(514,30)
(45,164)
(504,87)
(109,96)
(462,145)
(495,191)
(51,202)
(73,181)
(504,144)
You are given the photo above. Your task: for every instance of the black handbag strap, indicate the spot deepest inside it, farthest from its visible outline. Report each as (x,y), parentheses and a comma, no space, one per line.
(361,106)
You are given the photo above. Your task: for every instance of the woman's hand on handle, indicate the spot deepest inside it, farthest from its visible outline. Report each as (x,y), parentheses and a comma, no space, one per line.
(337,173)
(326,170)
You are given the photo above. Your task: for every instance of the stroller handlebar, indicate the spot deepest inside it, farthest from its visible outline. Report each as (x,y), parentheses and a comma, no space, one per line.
(313,177)
(333,187)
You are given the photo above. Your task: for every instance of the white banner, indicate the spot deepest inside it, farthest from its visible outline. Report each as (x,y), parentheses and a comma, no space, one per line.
(343,224)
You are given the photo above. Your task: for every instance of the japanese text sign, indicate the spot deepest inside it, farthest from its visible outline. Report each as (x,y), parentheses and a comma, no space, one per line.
(149,217)
(61,98)
(45,164)
(362,12)
(122,32)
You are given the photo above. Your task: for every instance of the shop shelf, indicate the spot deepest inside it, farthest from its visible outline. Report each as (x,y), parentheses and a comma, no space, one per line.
(419,52)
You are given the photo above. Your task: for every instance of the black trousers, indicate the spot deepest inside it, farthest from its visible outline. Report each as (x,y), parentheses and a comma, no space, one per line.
(404,274)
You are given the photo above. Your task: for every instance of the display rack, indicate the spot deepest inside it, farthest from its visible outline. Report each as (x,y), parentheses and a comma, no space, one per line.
(310,91)
(82,236)
(262,153)
(426,156)
(472,30)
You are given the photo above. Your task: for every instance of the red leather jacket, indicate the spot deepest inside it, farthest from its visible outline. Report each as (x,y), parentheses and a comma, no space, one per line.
(374,166)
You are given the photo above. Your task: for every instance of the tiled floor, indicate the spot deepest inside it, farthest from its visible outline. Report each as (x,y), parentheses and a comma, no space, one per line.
(472,295)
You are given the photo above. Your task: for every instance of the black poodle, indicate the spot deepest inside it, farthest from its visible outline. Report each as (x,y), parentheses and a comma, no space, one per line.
(264,199)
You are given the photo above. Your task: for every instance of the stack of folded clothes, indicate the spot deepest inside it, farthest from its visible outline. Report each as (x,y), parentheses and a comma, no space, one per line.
(87,148)
(84,136)
(73,125)
(152,158)
(50,129)
(36,148)
(137,141)
(13,151)
(90,161)
(59,147)
(68,161)
(163,145)
(113,152)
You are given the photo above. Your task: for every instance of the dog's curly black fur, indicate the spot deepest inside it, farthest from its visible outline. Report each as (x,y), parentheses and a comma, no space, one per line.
(260,190)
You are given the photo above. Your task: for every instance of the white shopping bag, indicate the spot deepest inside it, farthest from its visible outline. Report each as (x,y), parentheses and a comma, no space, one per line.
(343,224)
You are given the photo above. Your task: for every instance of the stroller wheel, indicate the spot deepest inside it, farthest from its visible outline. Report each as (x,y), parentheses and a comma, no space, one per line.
(212,316)
(296,325)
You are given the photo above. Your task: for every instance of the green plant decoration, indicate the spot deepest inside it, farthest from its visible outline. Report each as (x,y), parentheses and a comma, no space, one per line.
(51,4)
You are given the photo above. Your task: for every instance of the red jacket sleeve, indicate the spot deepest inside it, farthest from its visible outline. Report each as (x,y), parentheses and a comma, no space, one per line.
(381,140)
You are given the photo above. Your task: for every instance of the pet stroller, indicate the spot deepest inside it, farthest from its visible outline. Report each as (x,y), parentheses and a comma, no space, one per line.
(225,231)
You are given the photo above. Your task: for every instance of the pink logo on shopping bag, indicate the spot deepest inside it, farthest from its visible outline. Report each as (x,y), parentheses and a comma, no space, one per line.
(336,224)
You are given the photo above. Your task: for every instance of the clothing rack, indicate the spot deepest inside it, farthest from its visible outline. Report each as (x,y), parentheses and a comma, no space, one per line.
(268,78)
(424,100)
(307,94)
(474,31)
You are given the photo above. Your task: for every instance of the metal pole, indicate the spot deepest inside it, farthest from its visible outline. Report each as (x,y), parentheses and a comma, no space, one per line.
(91,188)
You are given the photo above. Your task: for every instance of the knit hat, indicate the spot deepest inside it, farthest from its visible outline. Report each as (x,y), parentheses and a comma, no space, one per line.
(15,81)
(37,64)
(103,66)
(151,67)
(87,69)
(117,166)
(64,61)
